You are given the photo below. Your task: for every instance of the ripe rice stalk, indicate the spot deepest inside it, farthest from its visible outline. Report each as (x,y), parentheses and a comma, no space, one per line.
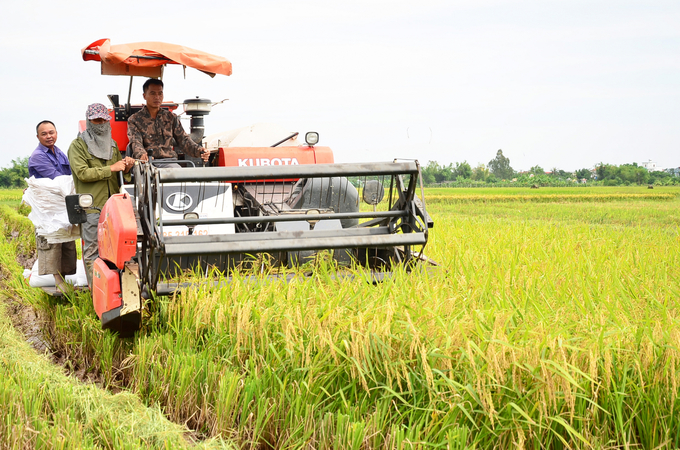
(539,332)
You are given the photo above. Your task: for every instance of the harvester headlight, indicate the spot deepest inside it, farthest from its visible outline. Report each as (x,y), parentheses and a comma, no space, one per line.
(312,221)
(312,138)
(374,192)
(85,200)
(190,216)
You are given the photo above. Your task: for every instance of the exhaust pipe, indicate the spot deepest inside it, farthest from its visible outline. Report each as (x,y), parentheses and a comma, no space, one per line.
(196,108)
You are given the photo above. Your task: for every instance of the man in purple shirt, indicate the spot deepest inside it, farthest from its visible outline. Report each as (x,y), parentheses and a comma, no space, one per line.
(47,161)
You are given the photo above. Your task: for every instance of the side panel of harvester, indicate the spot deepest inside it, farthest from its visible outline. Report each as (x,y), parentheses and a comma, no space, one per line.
(206,200)
(117,231)
(115,293)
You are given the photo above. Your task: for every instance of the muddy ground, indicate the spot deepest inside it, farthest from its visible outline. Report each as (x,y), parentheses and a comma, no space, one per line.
(36,329)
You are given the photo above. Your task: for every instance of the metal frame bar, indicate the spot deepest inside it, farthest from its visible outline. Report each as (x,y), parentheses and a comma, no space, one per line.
(170,175)
(306,240)
(397,228)
(286,218)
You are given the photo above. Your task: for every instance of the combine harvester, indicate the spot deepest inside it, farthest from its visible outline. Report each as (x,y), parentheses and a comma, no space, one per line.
(262,193)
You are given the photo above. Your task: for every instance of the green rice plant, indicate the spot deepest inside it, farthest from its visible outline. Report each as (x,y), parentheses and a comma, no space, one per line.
(547,325)
(11,197)
(505,191)
(19,230)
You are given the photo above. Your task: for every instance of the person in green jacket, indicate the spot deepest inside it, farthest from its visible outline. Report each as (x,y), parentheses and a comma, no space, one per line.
(94,159)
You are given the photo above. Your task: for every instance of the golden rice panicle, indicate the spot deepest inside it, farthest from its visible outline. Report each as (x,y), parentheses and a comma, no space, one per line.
(429,377)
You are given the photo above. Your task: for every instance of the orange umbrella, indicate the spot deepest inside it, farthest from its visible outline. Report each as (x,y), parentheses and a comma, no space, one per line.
(148,58)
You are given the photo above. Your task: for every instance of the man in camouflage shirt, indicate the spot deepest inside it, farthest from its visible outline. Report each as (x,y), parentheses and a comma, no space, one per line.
(154,128)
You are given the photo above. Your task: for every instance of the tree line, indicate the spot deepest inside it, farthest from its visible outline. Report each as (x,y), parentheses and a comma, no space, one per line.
(499,172)
(13,177)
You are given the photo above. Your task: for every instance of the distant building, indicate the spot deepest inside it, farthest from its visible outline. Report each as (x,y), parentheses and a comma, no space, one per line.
(650,166)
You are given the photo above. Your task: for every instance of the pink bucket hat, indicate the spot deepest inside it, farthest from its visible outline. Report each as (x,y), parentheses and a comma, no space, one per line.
(97,111)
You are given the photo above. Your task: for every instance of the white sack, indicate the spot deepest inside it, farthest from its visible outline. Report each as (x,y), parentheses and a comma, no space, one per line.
(46,198)
(35,280)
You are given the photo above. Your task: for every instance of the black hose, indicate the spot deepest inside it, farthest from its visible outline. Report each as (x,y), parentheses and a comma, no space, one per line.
(284,140)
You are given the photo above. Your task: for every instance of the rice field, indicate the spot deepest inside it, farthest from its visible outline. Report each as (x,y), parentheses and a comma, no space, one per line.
(552,322)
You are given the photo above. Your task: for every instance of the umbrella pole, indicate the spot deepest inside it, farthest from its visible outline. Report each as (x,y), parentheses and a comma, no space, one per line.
(127,105)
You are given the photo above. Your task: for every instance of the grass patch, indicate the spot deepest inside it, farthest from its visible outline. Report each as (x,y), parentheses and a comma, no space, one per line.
(41,407)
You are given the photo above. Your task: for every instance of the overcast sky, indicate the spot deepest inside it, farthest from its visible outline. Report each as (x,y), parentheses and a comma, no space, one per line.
(564,84)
